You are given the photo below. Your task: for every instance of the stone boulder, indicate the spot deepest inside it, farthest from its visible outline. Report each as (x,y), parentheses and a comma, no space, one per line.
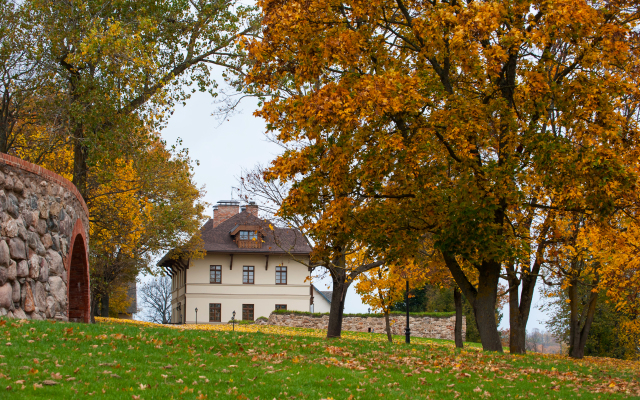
(46,241)
(29,303)
(23,269)
(51,307)
(44,270)
(41,296)
(6,296)
(5,255)
(18,186)
(16,292)
(18,313)
(12,271)
(10,228)
(55,263)
(34,266)
(17,249)
(58,290)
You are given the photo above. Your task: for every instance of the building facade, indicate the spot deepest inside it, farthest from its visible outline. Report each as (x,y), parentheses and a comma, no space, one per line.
(250,268)
(321,302)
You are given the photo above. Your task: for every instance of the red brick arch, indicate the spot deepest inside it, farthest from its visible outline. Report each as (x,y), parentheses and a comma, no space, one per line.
(77,266)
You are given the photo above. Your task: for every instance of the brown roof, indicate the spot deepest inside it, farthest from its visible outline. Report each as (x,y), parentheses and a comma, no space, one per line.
(276,240)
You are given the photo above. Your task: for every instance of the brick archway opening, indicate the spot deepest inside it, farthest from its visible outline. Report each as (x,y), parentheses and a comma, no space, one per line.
(79,299)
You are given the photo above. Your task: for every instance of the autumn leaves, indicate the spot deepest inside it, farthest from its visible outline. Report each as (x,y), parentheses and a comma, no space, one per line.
(494,129)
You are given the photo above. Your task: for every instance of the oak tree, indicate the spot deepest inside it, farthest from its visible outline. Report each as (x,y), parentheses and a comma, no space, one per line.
(450,118)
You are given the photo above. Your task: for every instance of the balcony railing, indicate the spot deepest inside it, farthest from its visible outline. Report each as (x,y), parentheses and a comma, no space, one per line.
(249,244)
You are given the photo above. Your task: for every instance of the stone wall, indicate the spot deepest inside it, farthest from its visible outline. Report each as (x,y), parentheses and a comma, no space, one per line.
(428,327)
(43,244)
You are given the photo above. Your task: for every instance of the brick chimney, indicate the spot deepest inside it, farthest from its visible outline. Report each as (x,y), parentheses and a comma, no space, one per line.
(224,210)
(252,208)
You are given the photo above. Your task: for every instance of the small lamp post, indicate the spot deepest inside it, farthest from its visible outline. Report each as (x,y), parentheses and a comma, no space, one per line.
(407,330)
(196,315)
(233,320)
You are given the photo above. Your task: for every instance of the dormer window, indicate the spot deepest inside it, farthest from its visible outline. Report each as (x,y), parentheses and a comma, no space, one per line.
(248,235)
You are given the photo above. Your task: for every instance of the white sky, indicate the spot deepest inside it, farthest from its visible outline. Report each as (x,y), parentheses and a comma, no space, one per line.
(240,143)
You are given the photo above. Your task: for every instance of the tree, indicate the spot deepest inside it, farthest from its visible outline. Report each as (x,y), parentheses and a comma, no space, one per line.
(384,286)
(154,206)
(609,334)
(457,300)
(155,296)
(453,119)
(534,341)
(129,61)
(30,126)
(324,224)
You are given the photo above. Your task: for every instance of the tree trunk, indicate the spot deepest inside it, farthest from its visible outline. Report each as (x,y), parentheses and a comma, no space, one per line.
(457,299)
(334,330)
(520,303)
(95,306)
(484,306)
(482,299)
(5,121)
(517,324)
(579,322)
(105,305)
(387,326)
(80,162)
(517,327)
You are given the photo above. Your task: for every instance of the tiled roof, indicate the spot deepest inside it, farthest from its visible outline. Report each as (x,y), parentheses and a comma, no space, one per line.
(278,240)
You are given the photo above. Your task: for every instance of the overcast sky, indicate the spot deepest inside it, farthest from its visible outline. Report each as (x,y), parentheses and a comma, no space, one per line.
(225,149)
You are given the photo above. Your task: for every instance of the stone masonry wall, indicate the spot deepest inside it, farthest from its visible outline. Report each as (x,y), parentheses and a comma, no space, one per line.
(38,213)
(427,327)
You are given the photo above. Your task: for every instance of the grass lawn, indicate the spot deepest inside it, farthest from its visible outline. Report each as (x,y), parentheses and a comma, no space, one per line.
(111,359)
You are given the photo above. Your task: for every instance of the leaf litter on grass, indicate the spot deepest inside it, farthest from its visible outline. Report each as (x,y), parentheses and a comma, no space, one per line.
(154,361)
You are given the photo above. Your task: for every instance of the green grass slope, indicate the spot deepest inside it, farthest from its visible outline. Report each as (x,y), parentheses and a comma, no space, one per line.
(112,360)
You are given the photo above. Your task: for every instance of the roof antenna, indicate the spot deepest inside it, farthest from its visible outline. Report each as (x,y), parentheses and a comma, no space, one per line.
(233,187)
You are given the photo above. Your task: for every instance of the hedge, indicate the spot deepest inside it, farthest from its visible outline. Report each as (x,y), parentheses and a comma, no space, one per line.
(241,322)
(374,315)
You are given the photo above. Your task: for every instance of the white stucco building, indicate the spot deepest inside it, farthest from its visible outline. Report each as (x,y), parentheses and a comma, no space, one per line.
(321,300)
(250,267)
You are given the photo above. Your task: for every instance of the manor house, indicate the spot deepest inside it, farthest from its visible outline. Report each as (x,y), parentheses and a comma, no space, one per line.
(250,267)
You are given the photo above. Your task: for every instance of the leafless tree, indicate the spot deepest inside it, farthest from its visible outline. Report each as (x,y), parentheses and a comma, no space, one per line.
(535,340)
(156,298)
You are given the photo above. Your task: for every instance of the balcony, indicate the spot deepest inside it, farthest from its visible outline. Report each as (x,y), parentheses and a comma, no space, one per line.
(249,244)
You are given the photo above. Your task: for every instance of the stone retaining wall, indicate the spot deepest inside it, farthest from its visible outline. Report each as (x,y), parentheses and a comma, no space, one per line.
(428,327)
(43,244)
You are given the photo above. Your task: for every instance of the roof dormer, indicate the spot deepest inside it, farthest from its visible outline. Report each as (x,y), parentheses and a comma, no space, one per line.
(247,236)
